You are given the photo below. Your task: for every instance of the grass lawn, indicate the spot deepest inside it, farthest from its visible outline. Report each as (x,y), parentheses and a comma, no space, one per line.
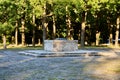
(19,47)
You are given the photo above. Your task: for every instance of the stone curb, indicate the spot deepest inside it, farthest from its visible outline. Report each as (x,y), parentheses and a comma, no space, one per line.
(68,54)
(61,55)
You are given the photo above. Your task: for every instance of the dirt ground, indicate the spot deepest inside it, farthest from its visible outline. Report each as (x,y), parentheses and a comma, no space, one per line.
(20,67)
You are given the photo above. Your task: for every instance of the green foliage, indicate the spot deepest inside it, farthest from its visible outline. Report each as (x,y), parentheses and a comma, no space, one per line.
(98,12)
(6,28)
(59,8)
(36,6)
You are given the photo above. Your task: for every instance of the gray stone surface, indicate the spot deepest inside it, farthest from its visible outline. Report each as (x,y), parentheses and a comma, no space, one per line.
(60,45)
(19,67)
(44,53)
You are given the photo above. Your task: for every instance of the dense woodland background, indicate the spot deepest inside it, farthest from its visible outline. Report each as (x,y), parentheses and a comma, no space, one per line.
(92,22)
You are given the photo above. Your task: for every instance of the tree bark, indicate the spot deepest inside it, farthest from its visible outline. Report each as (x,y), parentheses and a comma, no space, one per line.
(111,36)
(54,27)
(4,42)
(39,41)
(97,35)
(97,38)
(68,24)
(110,33)
(117,32)
(16,34)
(44,29)
(44,24)
(79,36)
(23,32)
(33,37)
(83,28)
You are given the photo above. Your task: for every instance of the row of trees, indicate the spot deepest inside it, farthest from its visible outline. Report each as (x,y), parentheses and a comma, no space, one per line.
(33,21)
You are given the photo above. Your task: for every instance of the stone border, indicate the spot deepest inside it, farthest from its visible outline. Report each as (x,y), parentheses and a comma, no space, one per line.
(43,53)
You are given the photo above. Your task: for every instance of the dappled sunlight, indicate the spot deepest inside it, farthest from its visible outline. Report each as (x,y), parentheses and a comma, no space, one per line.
(25,60)
(2,56)
(23,75)
(107,69)
(84,67)
(5,64)
(110,54)
(101,59)
(88,58)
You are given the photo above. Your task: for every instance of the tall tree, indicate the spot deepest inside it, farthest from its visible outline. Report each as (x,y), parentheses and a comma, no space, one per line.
(53,18)
(117,23)
(69,17)
(54,27)
(63,10)
(23,31)
(6,19)
(16,18)
(45,14)
(5,29)
(117,31)
(114,9)
(83,25)
(36,8)
(81,7)
(23,11)
(44,22)
(16,33)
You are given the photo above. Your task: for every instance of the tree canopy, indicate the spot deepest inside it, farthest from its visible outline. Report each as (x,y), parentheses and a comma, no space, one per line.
(89,21)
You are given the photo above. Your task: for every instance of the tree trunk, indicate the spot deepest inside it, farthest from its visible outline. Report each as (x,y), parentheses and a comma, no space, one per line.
(39,41)
(97,38)
(97,35)
(111,36)
(23,32)
(44,24)
(68,24)
(13,40)
(117,32)
(4,42)
(44,30)
(33,37)
(16,34)
(110,33)
(79,36)
(83,28)
(54,27)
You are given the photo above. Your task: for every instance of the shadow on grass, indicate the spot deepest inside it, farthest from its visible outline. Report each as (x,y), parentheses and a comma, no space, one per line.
(104,68)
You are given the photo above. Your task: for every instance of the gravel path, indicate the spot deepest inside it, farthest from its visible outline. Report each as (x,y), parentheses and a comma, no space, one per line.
(20,67)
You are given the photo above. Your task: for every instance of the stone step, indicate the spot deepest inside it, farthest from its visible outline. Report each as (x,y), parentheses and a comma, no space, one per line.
(42,53)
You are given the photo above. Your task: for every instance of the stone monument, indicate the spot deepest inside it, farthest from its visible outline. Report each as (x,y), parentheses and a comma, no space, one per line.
(60,44)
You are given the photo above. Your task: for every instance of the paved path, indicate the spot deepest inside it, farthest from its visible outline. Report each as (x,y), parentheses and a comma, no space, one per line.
(19,67)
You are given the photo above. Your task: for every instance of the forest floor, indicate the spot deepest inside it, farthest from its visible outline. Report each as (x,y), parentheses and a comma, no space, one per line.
(20,67)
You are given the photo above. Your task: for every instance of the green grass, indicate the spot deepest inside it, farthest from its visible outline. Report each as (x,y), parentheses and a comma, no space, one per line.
(19,47)
(26,48)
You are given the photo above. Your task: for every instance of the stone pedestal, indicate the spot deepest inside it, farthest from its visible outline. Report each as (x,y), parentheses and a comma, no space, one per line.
(60,45)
